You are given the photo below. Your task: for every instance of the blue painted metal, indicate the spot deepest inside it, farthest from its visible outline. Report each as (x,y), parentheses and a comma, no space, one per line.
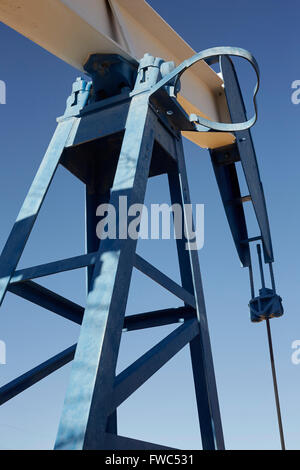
(21,230)
(93,199)
(134,376)
(141,142)
(110,73)
(54,267)
(92,376)
(85,425)
(245,148)
(18,237)
(49,300)
(97,194)
(152,272)
(200,348)
(267,304)
(78,98)
(223,161)
(17,386)
(143,368)
(158,318)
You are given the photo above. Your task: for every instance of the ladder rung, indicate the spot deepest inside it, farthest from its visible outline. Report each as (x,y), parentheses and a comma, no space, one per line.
(239,200)
(249,240)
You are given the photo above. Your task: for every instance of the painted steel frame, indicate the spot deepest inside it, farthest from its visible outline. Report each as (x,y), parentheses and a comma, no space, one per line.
(92,422)
(89,419)
(138,121)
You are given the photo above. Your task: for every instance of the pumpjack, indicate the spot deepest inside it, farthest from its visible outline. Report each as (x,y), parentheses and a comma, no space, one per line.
(118,129)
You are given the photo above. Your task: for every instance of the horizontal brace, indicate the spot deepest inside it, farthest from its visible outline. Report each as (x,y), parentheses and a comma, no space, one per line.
(49,300)
(88,260)
(36,374)
(65,308)
(134,376)
(163,280)
(253,239)
(114,442)
(33,292)
(113,121)
(54,267)
(157,318)
(247,198)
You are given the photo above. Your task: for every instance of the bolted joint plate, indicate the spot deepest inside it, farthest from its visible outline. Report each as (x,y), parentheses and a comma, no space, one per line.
(151,70)
(78,98)
(110,74)
(113,75)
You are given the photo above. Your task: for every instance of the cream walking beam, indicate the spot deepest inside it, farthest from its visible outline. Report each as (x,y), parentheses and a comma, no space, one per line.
(74,29)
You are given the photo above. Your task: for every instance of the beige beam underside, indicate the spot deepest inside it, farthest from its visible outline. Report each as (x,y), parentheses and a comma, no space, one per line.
(73,29)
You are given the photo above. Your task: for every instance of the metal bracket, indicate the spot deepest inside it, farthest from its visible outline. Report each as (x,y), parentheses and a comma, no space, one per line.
(111,74)
(78,98)
(201,123)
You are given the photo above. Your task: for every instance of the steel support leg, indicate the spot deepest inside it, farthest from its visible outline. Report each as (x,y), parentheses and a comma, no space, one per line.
(85,415)
(20,232)
(93,199)
(200,348)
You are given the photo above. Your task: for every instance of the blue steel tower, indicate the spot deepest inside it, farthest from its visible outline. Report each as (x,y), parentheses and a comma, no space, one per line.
(117,131)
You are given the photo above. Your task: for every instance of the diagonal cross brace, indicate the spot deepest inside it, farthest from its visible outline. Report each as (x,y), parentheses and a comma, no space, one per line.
(126,383)
(40,295)
(18,385)
(81,261)
(89,401)
(21,230)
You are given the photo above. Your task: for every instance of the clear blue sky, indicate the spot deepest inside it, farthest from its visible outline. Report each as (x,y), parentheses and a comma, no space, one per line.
(163,410)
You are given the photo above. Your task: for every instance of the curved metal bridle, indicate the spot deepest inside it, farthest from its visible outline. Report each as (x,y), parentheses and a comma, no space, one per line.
(214,53)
